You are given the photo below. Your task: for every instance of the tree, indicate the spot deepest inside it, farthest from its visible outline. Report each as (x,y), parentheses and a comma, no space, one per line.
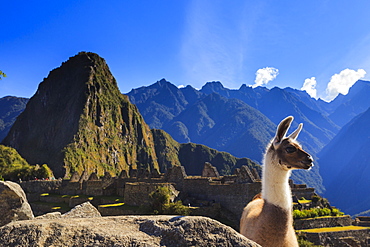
(2,74)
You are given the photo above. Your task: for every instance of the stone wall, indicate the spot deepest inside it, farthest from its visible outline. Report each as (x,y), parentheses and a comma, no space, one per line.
(232,192)
(234,197)
(303,192)
(41,186)
(137,194)
(340,238)
(320,222)
(93,187)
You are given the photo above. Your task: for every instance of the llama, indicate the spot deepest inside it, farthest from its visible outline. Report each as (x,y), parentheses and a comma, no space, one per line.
(268,219)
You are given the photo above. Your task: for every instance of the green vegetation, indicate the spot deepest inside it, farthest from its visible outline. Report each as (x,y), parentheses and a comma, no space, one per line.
(14,167)
(304,200)
(112,135)
(303,242)
(2,74)
(161,203)
(316,212)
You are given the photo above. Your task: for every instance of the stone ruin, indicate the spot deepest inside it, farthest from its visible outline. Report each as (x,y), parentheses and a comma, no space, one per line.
(210,171)
(232,192)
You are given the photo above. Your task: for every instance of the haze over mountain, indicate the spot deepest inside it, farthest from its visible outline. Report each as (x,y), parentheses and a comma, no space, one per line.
(349,106)
(345,166)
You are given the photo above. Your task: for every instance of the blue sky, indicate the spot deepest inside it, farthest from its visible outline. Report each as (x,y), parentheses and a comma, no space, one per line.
(269,43)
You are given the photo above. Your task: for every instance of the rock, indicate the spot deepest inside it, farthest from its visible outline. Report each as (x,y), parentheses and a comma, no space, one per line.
(13,203)
(52,215)
(209,170)
(84,210)
(122,231)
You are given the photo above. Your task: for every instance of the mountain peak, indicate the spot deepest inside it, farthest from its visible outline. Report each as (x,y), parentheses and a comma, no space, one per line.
(214,86)
(78,120)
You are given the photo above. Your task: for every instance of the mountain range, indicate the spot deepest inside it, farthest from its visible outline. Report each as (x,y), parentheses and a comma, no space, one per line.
(79,120)
(242,121)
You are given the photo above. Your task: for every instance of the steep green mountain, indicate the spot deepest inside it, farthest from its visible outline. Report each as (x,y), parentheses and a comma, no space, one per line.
(345,166)
(78,120)
(193,156)
(10,108)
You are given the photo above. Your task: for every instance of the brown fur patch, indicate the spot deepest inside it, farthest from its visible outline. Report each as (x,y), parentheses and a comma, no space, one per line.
(268,224)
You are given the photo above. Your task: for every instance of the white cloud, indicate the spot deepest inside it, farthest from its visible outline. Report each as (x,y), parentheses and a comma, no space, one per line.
(342,82)
(264,76)
(309,86)
(180,86)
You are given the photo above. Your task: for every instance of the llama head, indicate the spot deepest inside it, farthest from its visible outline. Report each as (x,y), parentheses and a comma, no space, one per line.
(287,150)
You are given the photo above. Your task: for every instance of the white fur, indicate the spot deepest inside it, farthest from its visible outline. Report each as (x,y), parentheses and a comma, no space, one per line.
(275,183)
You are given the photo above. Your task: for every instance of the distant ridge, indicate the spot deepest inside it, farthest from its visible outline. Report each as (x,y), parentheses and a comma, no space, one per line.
(240,121)
(10,108)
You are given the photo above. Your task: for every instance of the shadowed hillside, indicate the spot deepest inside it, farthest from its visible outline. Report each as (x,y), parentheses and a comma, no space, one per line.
(345,166)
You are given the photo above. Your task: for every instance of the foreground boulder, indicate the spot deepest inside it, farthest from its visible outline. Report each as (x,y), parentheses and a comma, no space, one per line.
(13,203)
(84,210)
(122,231)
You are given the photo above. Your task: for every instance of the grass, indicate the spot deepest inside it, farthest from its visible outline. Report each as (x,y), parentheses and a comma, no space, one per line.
(121,205)
(304,201)
(334,229)
(55,195)
(90,198)
(112,205)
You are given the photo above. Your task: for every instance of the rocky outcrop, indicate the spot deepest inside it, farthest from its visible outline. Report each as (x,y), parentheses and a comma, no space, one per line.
(122,231)
(84,210)
(13,203)
(209,170)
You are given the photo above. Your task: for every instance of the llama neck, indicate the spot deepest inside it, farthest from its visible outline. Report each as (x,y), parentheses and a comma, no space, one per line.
(275,184)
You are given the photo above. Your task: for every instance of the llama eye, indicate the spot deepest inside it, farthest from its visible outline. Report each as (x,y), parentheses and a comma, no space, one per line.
(291,149)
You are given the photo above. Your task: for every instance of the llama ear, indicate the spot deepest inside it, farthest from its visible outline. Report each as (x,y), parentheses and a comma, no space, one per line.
(295,134)
(282,129)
